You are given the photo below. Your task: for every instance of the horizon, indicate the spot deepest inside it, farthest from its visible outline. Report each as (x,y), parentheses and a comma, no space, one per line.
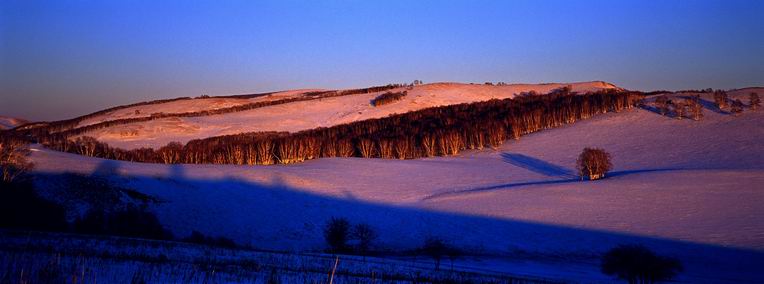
(62,60)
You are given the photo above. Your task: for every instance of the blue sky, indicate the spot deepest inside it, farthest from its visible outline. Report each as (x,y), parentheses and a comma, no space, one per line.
(60,59)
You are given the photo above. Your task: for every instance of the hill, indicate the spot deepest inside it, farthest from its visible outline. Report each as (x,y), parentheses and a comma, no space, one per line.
(10,122)
(688,189)
(305,109)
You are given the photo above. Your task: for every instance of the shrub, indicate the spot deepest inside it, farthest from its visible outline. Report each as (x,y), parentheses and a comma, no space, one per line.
(637,264)
(754,101)
(737,107)
(365,235)
(435,248)
(336,234)
(387,98)
(720,98)
(593,163)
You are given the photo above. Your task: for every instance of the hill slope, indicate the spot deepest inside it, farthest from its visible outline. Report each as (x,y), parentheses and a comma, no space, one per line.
(10,122)
(687,189)
(295,116)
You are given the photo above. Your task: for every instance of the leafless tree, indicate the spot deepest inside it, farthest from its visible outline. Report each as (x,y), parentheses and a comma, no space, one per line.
(13,159)
(593,163)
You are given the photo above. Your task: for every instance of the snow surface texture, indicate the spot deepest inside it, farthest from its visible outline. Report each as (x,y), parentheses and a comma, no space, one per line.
(302,115)
(10,122)
(690,189)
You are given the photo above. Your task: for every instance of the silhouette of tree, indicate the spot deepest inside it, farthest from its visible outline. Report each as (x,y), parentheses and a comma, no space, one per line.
(336,234)
(737,107)
(754,101)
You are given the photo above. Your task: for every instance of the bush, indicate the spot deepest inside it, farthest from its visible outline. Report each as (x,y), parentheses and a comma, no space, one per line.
(336,234)
(365,235)
(435,248)
(593,163)
(387,98)
(637,264)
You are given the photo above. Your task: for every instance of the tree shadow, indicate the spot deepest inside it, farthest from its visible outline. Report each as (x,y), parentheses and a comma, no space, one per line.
(709,105)
(536,165)
(278,216)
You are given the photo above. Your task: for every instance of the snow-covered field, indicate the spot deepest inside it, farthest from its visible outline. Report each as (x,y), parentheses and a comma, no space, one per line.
(301,115)
(690,189)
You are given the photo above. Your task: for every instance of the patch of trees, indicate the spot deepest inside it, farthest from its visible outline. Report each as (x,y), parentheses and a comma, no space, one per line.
(720,99)
(638,264)
(754,101)
(199,238)
(438,131)
(593,163)
(438,249)
(689,107)
(342,237)
(388,97)
(13,157)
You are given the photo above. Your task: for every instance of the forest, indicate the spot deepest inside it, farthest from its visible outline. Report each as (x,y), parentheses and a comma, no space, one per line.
(437,131)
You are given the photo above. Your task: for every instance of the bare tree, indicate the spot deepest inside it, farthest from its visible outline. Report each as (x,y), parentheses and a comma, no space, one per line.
(662,104)
(696,109)
(720,98)
(365,236)
(13,159)
(593,163)
(754,101)
(737,107)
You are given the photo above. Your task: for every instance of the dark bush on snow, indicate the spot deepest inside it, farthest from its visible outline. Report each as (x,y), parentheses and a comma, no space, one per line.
(131,222)
(337,234)
(438,249)
(638,264)
(199,238)
(22,208)
(387,98)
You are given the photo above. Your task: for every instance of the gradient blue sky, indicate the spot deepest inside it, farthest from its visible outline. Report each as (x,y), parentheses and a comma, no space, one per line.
(60,59)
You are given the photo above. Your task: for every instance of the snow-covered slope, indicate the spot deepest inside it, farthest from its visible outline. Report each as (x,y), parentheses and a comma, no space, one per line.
(301,115)
(690,189)
(10,122)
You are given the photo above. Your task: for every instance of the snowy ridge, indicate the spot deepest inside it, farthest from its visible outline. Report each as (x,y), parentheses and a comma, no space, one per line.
(302,115)
(10,122)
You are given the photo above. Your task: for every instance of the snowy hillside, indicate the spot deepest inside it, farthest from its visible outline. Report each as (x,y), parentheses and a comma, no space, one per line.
(295,116)
(689,189)
(10,122)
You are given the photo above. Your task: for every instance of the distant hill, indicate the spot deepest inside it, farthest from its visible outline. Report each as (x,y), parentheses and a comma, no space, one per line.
(10,122)
(154,124)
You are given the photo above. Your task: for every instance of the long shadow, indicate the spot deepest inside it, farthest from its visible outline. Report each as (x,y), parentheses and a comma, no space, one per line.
(274,215)
(543,182)
(712,107)
(536,165)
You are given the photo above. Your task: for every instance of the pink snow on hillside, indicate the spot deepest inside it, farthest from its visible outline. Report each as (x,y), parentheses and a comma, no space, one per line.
(303,115)
(10,122)
(691,189)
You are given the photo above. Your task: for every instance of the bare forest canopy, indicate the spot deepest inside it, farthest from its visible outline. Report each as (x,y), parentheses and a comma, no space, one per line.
(437,131)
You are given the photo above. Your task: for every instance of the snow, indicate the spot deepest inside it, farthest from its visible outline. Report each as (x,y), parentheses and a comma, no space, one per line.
(311,114)
(10,122)
(689,189)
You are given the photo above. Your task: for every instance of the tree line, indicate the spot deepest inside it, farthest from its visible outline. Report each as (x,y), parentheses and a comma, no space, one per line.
(437,131)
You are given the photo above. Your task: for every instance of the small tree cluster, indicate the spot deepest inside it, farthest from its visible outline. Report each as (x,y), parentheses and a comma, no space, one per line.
(720,99)
(754,101)
(593,163)
(662,104)
(638,264)
(387,98)
(696,109)
(437,249)
(339,234)
(737,107)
